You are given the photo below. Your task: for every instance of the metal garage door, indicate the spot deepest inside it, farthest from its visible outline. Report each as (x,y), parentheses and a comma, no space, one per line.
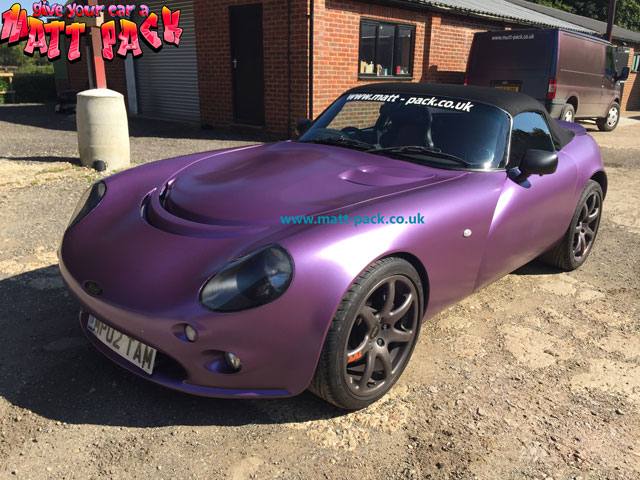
(167,81)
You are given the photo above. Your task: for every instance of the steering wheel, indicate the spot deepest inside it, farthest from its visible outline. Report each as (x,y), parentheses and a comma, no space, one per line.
(354,132)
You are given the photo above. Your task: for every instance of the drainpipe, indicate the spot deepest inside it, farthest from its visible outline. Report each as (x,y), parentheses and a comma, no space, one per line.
(289,69)
(610,20)
(311,9)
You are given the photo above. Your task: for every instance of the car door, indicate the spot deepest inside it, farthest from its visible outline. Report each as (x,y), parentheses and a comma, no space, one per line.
(532,214)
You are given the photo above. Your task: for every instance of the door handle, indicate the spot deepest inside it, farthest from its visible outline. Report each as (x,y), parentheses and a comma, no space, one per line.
(235,63)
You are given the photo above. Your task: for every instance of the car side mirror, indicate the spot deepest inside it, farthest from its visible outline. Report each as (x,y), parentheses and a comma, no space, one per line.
(624,74)
(302,125)
(537,162)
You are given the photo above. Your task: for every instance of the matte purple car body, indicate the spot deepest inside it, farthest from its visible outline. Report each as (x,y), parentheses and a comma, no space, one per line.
(153,267)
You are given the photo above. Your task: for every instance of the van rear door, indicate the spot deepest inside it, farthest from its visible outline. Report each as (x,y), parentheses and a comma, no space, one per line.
(521,60)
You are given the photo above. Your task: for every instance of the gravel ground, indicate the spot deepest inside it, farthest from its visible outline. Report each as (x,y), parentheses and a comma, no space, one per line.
(536,376)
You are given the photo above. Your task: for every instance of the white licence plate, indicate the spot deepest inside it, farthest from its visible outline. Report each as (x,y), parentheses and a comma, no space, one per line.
(141,355)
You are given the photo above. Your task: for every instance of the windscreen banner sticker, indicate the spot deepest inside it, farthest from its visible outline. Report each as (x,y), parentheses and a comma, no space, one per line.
(427,101)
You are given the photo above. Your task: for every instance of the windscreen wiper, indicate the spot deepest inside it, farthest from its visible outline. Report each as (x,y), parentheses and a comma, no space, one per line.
(430,151)
(341,142)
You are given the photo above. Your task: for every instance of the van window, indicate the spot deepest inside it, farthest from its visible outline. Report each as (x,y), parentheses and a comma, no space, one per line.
(530,131)
(610,65)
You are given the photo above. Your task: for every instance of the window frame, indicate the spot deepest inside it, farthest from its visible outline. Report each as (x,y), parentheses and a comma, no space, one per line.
(377,23)
(509,165)
(609,57)
(635,61)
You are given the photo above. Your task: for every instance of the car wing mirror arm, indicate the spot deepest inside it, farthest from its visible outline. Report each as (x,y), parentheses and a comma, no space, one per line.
(537,162)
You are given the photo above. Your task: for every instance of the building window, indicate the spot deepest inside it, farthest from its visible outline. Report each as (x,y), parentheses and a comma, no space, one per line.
(386,49)
(635,64)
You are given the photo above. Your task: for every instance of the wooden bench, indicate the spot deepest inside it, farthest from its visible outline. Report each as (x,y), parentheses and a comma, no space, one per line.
(9,92)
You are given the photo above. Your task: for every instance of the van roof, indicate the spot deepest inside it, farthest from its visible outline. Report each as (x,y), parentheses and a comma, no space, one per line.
(597,26)
(510,101)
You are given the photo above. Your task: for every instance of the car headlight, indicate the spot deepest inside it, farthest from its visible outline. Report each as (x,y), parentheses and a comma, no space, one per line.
(89,200)
(250,281)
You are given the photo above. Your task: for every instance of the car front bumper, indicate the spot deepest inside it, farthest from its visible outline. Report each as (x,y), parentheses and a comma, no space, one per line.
(272,352)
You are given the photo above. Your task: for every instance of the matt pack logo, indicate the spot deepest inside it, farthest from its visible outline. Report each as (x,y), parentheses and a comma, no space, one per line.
(44,37)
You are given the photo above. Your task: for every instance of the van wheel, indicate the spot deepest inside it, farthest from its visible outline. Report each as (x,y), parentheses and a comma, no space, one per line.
(568,113)
(610,122)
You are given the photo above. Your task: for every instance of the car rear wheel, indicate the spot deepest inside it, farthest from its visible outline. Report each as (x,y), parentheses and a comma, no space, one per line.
(568,113)
(577,243)
(610,122)
(372,335)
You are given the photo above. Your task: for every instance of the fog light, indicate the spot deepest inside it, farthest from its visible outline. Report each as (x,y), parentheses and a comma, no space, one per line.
(190,333)
(232,360)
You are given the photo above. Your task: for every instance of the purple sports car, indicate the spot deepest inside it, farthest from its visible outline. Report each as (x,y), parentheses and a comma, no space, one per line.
(262,271)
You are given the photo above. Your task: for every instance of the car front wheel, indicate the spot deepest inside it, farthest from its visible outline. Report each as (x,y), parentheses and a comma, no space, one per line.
(372,335)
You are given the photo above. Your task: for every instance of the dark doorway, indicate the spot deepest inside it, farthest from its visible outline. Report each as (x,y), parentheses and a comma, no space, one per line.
(247,64)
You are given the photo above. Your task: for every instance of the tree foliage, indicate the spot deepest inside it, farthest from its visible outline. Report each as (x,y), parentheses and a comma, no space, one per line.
(13,56)
(627,11)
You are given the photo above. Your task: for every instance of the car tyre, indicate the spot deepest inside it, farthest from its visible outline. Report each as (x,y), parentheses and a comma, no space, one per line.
(568,113)
(372,335)
(610,122)
(576,245)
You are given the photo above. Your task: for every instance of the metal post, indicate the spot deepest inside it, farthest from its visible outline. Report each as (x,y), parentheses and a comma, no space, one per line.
(96,49)
(611,17)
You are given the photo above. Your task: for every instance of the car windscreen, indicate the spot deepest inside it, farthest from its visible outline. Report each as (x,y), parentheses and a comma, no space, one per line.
(443,131)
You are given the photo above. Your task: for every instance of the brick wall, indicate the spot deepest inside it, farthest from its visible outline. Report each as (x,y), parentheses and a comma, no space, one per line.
(336,45)
(631,93)
(214,62)
(449,42)
(357,114)
(442,44)
(116,79)
(78,73)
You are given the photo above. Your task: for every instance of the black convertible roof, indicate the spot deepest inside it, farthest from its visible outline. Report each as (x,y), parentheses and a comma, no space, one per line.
(510,101)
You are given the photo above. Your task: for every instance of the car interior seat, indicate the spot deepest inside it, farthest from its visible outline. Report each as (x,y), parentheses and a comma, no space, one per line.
(404,125)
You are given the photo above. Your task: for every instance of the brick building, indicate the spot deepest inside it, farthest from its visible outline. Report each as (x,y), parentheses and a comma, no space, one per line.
(267,63)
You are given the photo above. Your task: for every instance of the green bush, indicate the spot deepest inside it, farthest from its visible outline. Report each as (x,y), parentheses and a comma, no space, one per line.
(4,86)
(37,68)
(34,87)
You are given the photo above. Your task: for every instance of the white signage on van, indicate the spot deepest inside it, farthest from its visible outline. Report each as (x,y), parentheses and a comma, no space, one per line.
(522,36)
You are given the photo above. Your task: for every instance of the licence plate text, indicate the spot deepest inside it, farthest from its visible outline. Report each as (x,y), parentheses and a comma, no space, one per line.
(515,88)
(141,355)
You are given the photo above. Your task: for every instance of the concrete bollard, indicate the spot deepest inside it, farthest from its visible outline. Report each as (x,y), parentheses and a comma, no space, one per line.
(103,129)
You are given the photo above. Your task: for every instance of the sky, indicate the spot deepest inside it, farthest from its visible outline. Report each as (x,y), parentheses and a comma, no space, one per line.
(6,5)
